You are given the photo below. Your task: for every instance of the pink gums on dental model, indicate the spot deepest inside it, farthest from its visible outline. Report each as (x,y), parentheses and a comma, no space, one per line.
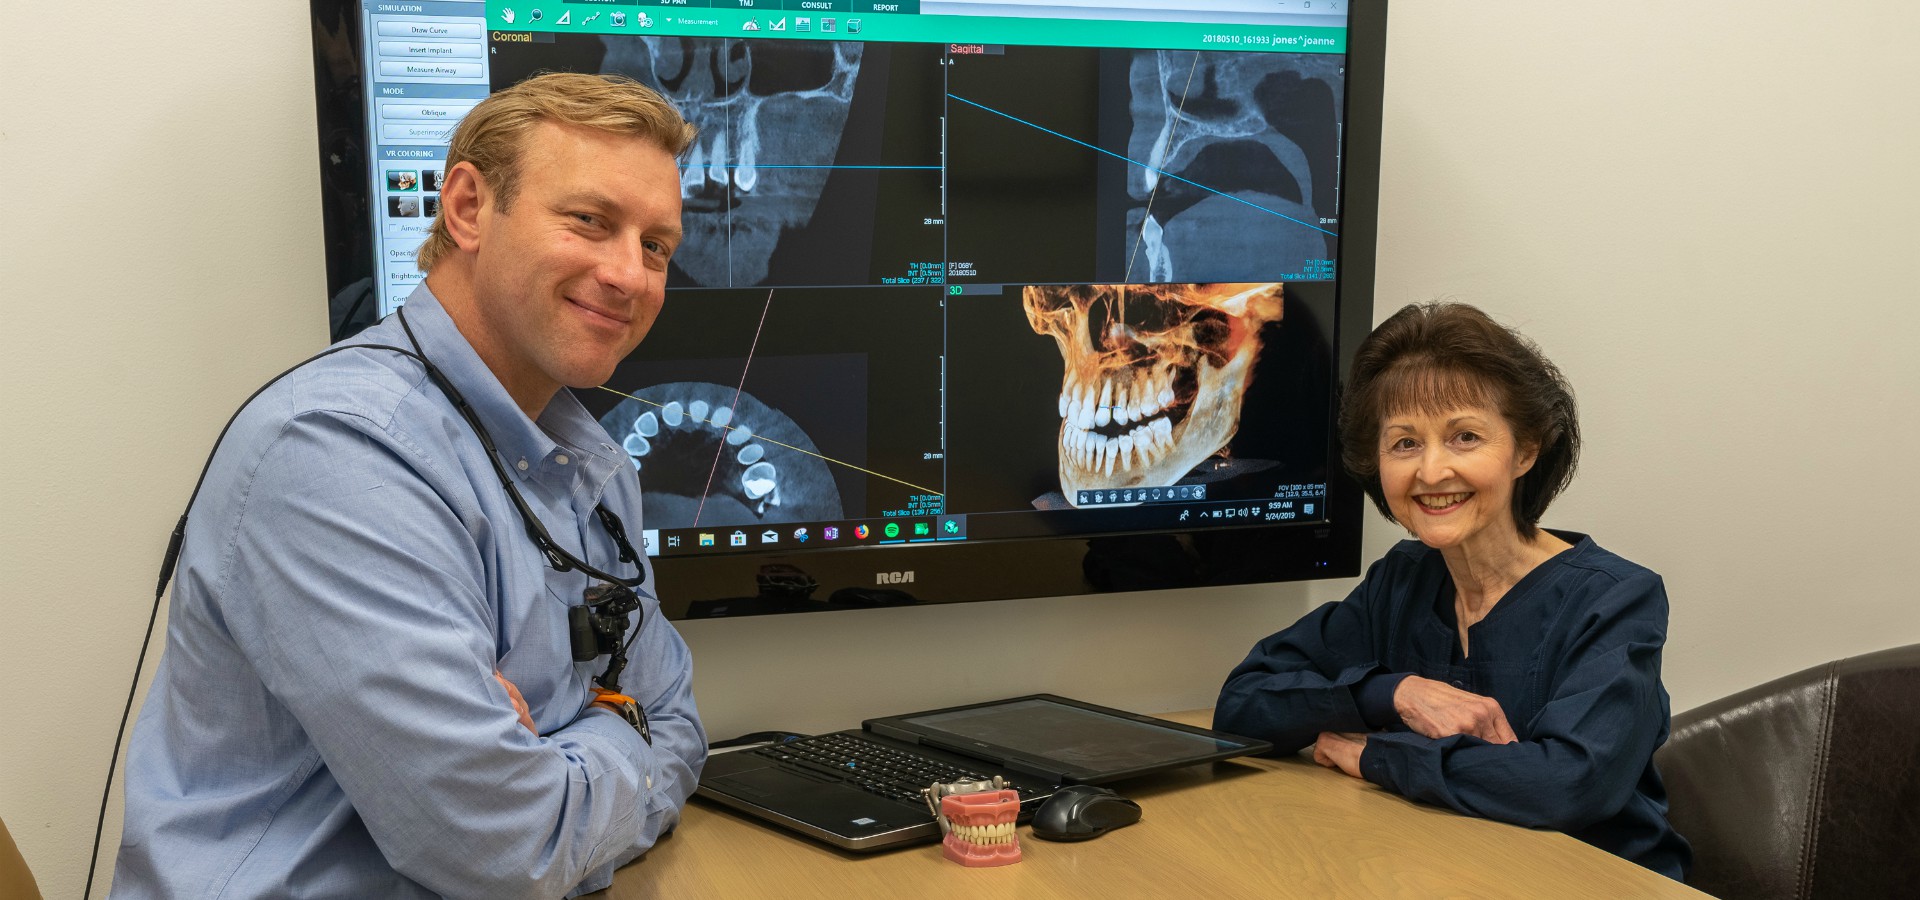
(980,828)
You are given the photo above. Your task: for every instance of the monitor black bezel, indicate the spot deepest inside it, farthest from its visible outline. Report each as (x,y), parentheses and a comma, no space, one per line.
(724,584)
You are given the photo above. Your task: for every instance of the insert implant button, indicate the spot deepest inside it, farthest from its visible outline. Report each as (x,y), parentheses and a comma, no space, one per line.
(430,50)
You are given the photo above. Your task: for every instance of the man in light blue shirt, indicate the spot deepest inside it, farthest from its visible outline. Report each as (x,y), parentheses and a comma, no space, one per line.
(368,688)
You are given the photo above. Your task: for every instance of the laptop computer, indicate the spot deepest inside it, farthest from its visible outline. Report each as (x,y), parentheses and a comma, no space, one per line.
(860,789)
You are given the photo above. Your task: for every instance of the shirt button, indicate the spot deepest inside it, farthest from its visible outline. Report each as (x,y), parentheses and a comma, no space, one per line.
(521,465)
(561,459)
(1459,685)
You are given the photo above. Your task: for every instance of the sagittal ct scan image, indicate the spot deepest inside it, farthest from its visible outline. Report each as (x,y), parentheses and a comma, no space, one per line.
(1239,152)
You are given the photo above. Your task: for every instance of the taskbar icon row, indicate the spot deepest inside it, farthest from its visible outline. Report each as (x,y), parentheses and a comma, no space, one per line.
(792,535)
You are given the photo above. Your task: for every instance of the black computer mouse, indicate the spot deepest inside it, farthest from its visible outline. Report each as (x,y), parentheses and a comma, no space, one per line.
(1081,811)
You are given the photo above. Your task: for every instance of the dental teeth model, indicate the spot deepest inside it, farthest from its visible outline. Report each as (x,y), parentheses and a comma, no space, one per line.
(979,828)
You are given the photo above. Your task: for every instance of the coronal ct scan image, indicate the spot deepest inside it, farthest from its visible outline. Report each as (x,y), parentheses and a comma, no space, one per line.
(1241,154)
(770,116)
(709,455)
(1155,375)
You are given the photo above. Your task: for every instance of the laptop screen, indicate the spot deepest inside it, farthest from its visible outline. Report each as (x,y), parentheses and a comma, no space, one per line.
(1081,738)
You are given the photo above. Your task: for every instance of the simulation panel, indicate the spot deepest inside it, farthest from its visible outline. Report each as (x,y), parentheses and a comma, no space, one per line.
(425,66)
(946,275)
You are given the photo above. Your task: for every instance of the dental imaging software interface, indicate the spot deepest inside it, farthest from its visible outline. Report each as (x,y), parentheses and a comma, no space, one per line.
(952,270)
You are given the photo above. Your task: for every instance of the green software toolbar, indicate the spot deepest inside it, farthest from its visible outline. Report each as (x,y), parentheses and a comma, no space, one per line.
(901,21)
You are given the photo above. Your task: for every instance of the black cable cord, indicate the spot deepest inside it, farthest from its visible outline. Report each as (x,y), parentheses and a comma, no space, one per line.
(557,557)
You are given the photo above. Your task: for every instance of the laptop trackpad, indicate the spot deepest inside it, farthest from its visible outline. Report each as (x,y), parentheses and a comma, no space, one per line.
(828,804)
(771,782)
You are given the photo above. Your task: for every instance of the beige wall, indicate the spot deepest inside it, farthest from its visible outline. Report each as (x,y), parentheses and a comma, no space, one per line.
(1705,212)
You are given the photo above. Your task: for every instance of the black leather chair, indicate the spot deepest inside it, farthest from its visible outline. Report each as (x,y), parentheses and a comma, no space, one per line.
(1806,787)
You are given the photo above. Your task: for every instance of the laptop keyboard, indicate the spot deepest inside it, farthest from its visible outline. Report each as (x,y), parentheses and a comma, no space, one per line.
(874,767)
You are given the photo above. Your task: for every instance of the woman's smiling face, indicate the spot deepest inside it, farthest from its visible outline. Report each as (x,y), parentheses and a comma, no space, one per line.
(1448,476)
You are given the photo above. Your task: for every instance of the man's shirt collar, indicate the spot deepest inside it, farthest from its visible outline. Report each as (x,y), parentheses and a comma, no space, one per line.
(547,449)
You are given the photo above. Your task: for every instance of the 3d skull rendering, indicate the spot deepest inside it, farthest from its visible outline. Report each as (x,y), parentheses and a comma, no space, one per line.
(1260,132)
(770,115)
(1155,374)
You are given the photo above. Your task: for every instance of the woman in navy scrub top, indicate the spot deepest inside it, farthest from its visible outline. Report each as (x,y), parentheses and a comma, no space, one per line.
(1488,665)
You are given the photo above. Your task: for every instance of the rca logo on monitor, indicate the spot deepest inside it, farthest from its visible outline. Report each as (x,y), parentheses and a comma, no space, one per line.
(893,577)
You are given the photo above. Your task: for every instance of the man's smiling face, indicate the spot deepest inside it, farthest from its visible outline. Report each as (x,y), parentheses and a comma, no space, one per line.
(570,276)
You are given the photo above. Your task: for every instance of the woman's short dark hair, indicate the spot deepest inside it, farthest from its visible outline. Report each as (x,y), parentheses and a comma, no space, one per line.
(1437,357)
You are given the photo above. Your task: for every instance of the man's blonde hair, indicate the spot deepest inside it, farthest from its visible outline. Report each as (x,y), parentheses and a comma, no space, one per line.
(494,135)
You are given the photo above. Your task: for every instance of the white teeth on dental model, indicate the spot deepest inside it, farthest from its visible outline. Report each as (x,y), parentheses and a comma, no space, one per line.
(717,166)
(998,833)
(698,410)
(1165,398)
(673,414)
(1072,400)
(1162,431)
(1086,408)
(1126,453)
(1063,404)
(646,425)
(758,480)
(750,454)
(722,415)
(1106,456)
(695,171)
(1104,414)
(636,445)
(1120,405)
(740,435)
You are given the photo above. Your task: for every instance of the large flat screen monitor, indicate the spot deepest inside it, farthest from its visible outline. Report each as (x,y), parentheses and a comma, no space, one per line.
(979,299)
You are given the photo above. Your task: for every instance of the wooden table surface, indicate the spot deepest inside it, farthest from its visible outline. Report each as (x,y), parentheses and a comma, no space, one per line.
(1243,828)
